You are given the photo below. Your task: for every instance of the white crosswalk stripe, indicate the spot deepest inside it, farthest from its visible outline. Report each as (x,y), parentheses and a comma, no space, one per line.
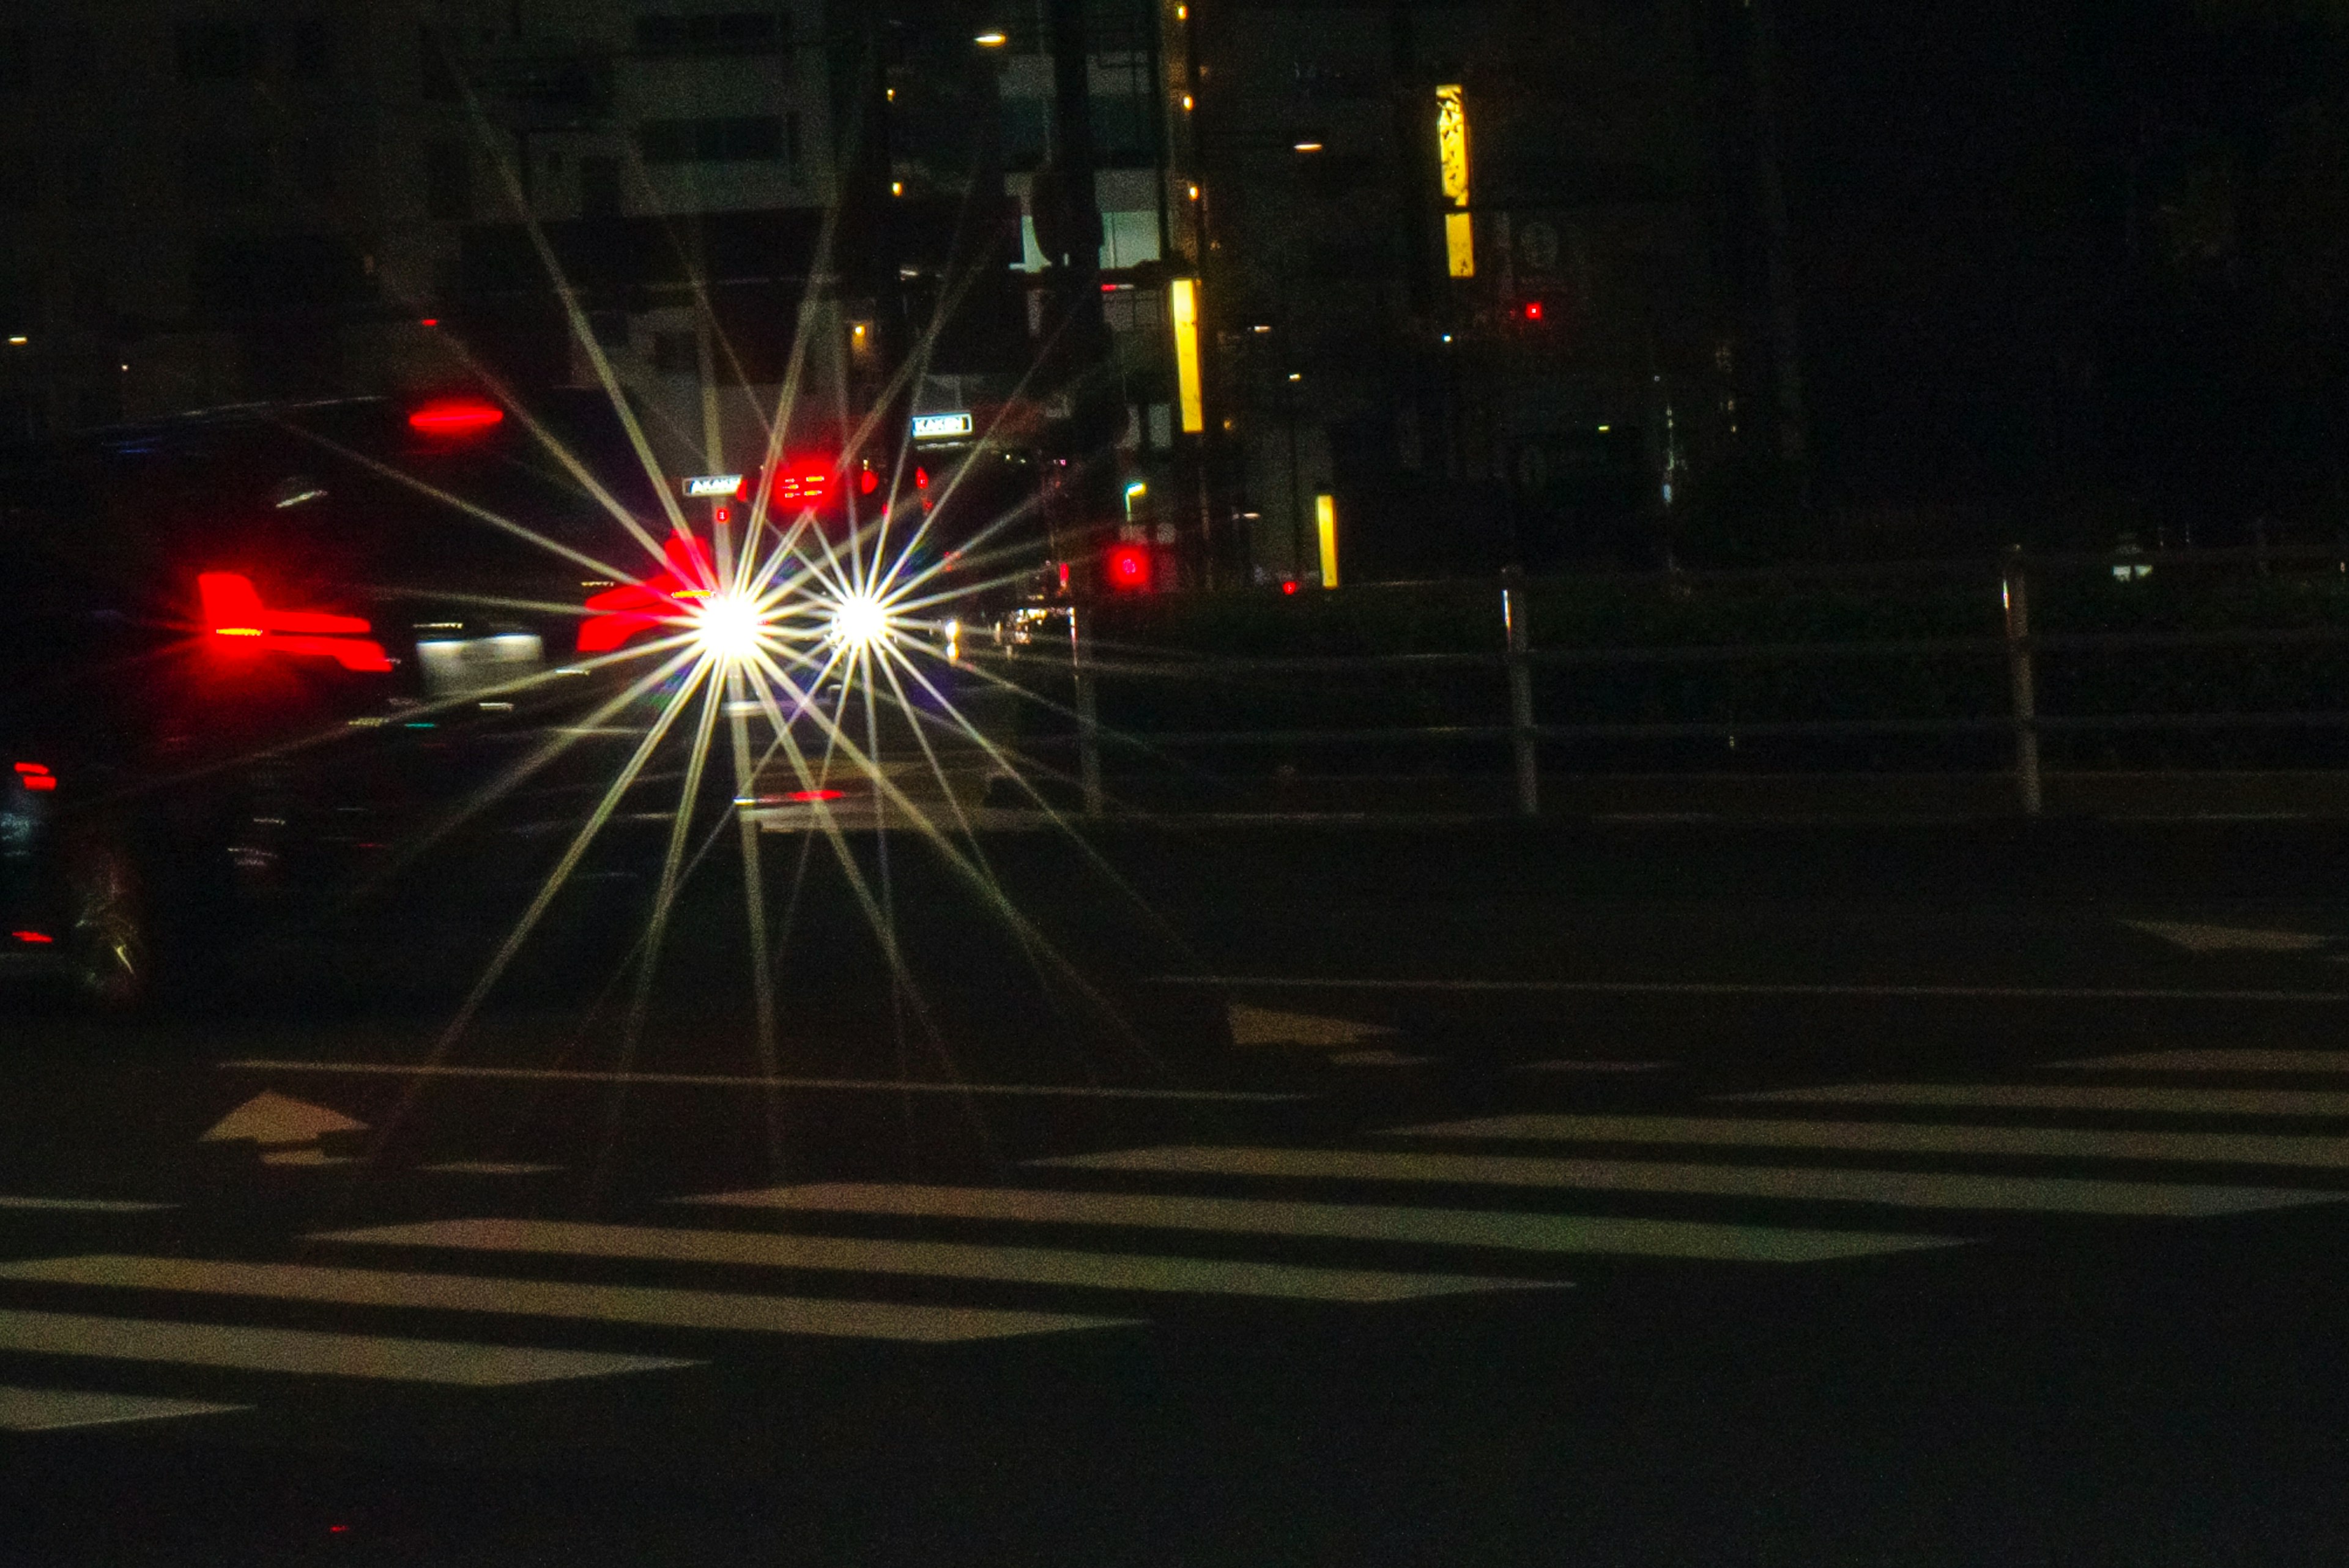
(1020,1265)
(1906,1137)
(62,1409)
(552,1299)
(1128,1230)
(1886,1189)
(2074,1097)
(381,1357)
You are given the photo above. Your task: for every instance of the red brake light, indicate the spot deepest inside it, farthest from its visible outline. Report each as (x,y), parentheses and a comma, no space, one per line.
(1129,567)
(232,608)
(618,614)
(804,482)
(456,417)
(34,775)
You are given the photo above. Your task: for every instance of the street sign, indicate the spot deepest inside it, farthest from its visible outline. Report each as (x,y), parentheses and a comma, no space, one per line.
(941,427)
(713,484)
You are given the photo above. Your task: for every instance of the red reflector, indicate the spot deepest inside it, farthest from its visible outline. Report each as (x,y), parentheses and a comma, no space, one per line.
(456,416)
(808,797)
(37,938)
(233,608)
(1129,566)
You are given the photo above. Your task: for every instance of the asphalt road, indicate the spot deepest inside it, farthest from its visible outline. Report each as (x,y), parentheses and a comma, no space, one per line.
(1665,1193)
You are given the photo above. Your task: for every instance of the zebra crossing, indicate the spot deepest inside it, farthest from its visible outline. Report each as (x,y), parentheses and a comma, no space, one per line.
(1116,1241)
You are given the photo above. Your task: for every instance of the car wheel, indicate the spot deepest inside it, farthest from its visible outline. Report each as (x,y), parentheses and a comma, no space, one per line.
(111,948)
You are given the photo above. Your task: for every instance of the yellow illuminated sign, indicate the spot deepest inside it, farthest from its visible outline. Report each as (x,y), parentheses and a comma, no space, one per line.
(1325,525)
(1185,295)
(1451,160)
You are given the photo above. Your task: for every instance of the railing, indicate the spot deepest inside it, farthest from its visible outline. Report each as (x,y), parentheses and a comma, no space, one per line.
(1514,660)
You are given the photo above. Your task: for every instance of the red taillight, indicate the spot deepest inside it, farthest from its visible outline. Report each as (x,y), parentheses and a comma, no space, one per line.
(34,775)
(804,483)
(38,939)
(810,796)
(1129,567)
(456,417)
(233,609)
(618,614)
(1288,586)
(867,482)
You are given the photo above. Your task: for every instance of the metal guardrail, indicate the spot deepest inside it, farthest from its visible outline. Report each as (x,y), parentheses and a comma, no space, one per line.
(2016,644)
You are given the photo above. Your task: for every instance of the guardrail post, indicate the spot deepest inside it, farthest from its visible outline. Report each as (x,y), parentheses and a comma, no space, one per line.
(1522,733)
(2016,594)
(1089,774)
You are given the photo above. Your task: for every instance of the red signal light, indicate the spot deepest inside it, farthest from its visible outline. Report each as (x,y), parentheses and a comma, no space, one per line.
(1533,310)
(456,417)
(1129,567)
(233,609)
(1288,586)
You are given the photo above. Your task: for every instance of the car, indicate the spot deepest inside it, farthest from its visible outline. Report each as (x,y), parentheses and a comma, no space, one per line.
(261,664)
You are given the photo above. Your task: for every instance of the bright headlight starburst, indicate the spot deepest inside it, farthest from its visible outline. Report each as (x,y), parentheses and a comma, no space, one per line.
(860,620)
(730,626)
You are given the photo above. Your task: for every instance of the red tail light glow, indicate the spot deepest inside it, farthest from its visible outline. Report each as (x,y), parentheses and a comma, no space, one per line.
(664,598)
(39,939)
(35,776)
(1129,567)
(806,483)
(456,417)
(233,609)
(810,796)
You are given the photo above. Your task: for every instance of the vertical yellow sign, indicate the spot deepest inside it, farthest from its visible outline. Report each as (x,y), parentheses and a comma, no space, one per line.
(1325,525)
(1184,293)
(1452,162)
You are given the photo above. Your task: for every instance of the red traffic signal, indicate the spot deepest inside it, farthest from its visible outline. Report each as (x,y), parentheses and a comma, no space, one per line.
(1129,567)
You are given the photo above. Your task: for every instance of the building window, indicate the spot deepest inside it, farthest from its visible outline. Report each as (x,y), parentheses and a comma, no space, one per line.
(713,33)
(221,51)
(448,183)
(746,138)
(230,171)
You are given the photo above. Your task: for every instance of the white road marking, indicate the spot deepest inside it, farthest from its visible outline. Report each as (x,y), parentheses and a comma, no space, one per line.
(2201,938)
(1890,1189)
(59,1410)
(307,1351)
(725,1081)
(1022,1265)
(1263,1026)
(1572,1064)
(736,1313)
(1727,988)
(1497,1229)
(2073,1097)
(488,1168)
(84,1205)
(1905,1138)
(2220,1062)
(271,1118)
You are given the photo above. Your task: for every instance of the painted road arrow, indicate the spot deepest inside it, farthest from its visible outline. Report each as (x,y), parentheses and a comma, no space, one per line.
(273,1120)
(1262,1026)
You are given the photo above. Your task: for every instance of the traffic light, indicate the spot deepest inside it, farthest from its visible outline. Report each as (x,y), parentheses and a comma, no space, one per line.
(1128,568)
